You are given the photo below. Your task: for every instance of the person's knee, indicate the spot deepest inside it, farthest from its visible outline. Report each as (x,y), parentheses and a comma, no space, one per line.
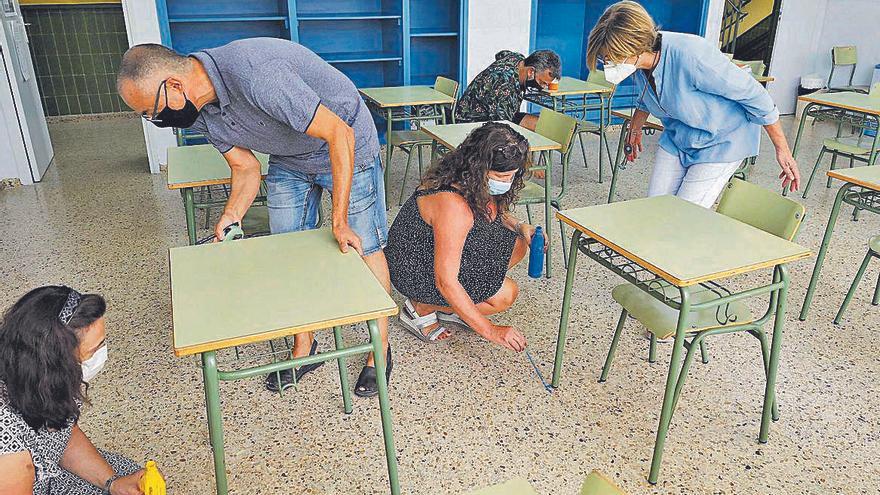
(505,297)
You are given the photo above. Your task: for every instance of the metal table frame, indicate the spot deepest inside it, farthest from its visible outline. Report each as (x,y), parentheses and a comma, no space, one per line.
(827,101)
(576,104)
(653,283)
(860,195)
(405,111)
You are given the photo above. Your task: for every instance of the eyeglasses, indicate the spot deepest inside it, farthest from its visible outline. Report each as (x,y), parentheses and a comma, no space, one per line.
(152,118)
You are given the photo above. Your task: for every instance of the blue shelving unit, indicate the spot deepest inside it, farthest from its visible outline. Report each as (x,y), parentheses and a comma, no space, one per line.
(373,42)
(564,26)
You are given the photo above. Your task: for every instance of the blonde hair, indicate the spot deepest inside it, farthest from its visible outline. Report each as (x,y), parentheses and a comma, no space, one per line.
(624,30)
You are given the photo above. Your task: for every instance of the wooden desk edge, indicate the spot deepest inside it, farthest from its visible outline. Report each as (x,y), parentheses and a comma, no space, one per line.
(676,281)
(438,101)
(554,146)
(868,111)
(596,91)
(284,332)
(649,125)
(203,183)
(870,185)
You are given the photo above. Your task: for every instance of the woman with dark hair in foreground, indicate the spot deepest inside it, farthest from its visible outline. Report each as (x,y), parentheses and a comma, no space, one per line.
(451,245)
(52,342)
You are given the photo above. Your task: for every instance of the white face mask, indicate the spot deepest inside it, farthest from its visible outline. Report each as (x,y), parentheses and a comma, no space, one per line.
(498,187)
(93,365)
(616,73)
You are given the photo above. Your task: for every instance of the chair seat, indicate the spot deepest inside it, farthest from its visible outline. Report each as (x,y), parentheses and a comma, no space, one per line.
(874,244)
(408,138)
(857,89)
(850,145)
(597,483)
(661,320)
(587,126)
(531,193)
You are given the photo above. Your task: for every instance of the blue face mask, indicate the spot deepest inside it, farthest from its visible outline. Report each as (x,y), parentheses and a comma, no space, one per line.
(497,187)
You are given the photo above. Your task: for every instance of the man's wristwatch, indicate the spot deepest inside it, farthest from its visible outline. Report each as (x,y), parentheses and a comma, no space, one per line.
(109,482)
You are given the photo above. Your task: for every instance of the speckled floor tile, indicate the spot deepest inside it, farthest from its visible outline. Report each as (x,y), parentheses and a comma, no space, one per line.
(466,414)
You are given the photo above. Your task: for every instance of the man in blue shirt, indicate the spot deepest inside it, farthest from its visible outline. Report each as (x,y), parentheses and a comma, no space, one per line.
(712,111)
(276,97)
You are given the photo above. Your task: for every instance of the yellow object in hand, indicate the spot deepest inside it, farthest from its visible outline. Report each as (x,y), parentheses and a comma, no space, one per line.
(151,482)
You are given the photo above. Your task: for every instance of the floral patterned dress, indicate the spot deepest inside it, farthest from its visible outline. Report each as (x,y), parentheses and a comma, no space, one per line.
(46,448)
(495,94)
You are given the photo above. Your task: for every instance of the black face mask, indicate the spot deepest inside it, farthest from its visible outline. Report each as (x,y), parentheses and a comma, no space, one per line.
(533,85)
(168,117)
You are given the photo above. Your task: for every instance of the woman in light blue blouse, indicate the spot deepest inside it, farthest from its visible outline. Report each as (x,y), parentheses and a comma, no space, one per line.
(712,110)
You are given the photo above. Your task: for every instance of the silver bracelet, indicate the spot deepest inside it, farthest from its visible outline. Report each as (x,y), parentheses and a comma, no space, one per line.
(109,483)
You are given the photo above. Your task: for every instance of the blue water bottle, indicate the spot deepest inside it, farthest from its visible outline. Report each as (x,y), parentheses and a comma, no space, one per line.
(536,254)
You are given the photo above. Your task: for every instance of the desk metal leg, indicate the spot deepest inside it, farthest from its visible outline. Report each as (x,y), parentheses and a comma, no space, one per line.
(601,137)
(775,348)
(189,207)
(215,418)
(797,139)
(615,166)
(566,306)
(820,258)
(343,370)
(671,383)
(384,405)
(548,208)
(388,150)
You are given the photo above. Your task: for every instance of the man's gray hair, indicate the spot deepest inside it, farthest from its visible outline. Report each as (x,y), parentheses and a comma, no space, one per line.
(149,60)
(542,60)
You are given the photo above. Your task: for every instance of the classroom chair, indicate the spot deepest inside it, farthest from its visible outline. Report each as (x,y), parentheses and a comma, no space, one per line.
(873,252)
(597,483)
(856,148)
(844,56)
(409,140)
(743,201)
(586,127)
(560,128)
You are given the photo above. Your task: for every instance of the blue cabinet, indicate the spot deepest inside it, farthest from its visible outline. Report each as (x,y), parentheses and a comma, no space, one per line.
(564,26)
(374,42)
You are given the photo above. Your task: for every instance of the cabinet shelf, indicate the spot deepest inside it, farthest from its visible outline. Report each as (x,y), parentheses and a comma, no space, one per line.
(432,33)
(357,57)
(348,17)
(226,18)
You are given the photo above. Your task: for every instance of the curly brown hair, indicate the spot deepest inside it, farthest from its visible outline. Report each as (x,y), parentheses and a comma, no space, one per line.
(492,146)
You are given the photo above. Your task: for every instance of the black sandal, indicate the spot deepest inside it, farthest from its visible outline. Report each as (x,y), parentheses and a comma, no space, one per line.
(366,383)
(285,379)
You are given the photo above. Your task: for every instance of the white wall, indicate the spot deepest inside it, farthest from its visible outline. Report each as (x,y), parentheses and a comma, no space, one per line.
(850,22)
(495,25)
(807,31)
(713,20)
(142,25)
(794,52)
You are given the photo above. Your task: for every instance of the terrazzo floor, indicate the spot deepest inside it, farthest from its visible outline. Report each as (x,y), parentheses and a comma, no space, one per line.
(466,414)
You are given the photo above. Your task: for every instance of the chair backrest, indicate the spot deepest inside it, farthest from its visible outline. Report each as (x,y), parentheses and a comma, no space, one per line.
(762,209)
(844,55)
(446,86)
(875,91)
(598,484)
(557,127)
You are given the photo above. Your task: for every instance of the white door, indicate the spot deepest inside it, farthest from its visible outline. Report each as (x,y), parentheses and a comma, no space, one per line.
(25,92)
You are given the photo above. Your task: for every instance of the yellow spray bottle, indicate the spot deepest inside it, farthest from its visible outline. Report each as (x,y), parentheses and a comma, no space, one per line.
(151,482)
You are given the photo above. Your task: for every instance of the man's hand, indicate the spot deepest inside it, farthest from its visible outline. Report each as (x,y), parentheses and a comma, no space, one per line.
(790,175)
(634,141)
(226,220)
(127,485)
(346,237)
